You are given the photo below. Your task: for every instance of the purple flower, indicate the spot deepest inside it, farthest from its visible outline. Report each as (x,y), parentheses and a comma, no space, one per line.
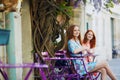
(115,1)
(76,3)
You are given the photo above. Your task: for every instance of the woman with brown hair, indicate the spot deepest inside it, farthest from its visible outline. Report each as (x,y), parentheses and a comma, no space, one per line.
(75,47)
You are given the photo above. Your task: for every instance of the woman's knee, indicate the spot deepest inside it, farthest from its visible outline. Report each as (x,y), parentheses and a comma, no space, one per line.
(105,63)
(103,70)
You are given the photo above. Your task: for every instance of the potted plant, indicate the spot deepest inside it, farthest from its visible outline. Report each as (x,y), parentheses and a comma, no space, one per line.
(4,34)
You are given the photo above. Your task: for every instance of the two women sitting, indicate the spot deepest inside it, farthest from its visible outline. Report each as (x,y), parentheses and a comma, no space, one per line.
(75,46)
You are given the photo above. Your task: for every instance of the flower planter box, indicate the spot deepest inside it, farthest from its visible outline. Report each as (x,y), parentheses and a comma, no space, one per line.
(4,36)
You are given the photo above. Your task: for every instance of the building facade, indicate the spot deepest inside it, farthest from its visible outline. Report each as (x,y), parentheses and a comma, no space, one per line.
(105,25)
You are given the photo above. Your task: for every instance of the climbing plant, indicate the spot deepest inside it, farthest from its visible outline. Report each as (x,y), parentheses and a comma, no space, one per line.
(49,20)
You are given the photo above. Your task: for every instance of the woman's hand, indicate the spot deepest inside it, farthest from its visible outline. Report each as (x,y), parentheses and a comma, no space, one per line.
(90,50)
(84,50)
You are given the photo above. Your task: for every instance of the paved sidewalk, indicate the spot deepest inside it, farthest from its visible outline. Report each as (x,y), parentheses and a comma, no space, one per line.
(115,66)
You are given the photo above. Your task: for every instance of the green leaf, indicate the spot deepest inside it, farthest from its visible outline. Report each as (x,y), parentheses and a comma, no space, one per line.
(110,11)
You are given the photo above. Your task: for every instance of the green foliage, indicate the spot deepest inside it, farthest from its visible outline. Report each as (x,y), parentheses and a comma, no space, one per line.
(67,9)
(84,1)
(109,4)
(110,11)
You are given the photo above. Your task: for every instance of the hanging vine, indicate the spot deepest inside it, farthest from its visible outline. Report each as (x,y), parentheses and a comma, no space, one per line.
(49,19)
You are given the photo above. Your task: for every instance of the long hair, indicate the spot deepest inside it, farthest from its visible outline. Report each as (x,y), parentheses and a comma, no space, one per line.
(69,36)
(92,41)
(70,33)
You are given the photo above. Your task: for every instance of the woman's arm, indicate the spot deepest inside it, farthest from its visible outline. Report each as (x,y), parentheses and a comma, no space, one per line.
(72,47)
(91,50)
(78,50)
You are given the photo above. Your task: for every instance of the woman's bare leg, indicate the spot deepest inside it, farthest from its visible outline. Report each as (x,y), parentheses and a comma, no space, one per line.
(103,74)
(106,67)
